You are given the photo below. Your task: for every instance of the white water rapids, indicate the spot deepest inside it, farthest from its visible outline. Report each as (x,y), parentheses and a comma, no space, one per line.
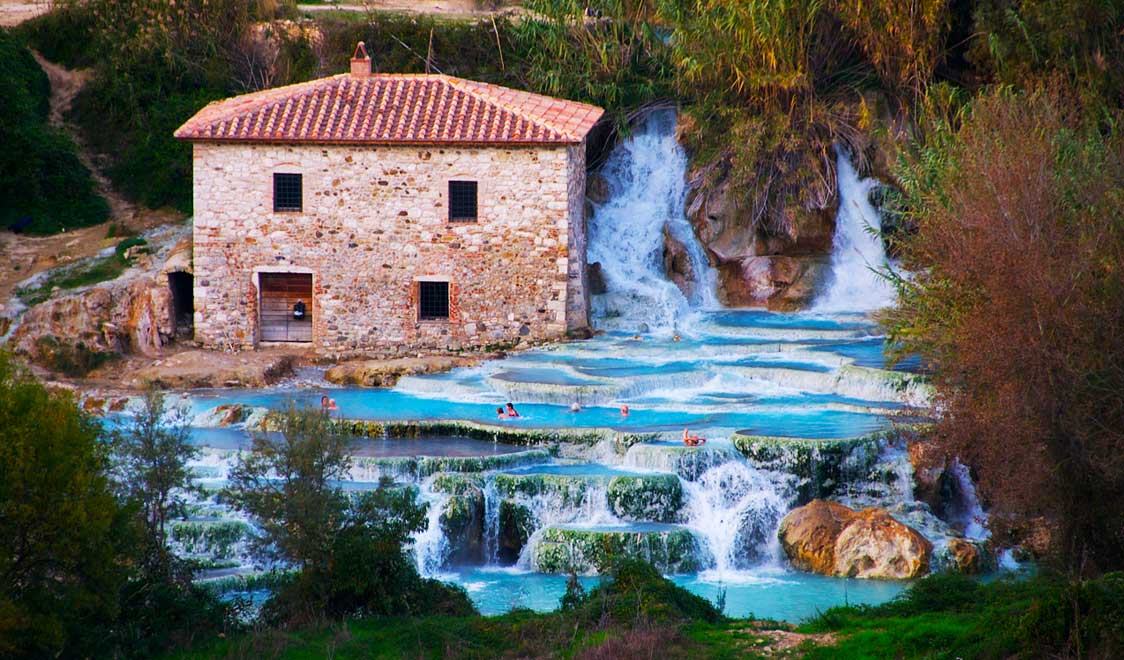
(647,181)
(857,252)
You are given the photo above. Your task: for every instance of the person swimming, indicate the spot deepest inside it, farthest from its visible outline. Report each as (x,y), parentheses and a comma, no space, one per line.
(328,404)
(500,414)
(511,412)
(624,411)
(692,440)
(575,407)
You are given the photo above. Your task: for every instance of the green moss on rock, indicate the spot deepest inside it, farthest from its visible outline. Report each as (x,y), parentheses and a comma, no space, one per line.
(654,497)
(561,550)
(821,465)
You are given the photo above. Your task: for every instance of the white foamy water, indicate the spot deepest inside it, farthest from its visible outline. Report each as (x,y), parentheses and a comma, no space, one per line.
(858,250)
(734,509)
(647,180)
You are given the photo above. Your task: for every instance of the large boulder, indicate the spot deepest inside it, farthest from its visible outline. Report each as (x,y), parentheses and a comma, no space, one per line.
(777,282)
(832,539)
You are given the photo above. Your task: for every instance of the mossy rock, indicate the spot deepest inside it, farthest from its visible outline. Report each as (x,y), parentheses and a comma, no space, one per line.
(462,522)
(561,550)
(370,468)
(655,497)
(215,539)
(687,462)
(457,483)
(506,434)
(823,466)
(517,524)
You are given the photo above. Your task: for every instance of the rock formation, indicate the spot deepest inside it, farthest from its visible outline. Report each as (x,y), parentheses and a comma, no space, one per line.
(779,271)
(130,314)
(832,539)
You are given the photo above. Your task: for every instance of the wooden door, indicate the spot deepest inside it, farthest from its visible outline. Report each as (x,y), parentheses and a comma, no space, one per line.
(279,295)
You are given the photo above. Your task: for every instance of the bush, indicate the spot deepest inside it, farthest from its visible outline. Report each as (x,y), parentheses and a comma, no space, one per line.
(65,536)
(70,359)
(1017,297)
(42,181)
(949,616)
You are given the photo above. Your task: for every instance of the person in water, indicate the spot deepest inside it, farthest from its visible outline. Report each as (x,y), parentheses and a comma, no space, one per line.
(328,404)
(511,412)
(692,440)
(624,411)
(575,407)
(500,414)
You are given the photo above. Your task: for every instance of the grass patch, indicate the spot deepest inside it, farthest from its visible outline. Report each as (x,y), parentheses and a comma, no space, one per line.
(70,359)
(83,273)
(949,616)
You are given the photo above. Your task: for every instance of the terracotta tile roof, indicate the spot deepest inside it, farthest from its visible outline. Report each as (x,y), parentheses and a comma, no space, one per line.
(392,109)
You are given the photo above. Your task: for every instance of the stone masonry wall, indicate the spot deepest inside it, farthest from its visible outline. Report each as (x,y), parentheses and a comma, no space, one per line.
(577,291)
(374,222)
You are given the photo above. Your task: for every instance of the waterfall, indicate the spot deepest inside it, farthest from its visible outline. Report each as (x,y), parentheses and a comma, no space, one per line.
(966,511)
(431,548)
(646,175)
(491,522)
(734,509)
(858,248)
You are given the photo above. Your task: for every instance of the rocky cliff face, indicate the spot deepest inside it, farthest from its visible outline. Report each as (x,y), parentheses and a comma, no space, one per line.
(755,268)
(130,314)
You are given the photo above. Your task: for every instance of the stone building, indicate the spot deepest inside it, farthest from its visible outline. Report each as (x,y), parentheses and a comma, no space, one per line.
(397,212)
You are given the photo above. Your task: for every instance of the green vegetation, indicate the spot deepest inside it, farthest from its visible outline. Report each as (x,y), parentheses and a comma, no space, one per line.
(44,186)
(83,273)
(74,359)
(950,616)
(74,581)
(350,552)
(635,615)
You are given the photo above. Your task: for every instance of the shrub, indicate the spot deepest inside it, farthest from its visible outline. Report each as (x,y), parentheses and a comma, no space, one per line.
(42,182)
(1018,300)
(70,359)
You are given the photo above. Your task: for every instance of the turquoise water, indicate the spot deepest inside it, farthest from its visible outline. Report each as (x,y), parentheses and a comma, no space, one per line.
(765,594)
(759,372)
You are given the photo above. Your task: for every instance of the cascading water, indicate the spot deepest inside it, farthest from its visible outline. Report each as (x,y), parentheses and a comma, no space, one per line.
(646,175)
(430,545)
(734,509)
(854,286)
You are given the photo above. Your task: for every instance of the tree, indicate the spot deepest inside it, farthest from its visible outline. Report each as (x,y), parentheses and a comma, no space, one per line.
(61,530)
(1017,300)
(351,550)
(150,465)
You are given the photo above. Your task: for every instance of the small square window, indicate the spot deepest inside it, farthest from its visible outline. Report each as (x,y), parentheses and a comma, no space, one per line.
(462,201)
(433,301)
(287,192)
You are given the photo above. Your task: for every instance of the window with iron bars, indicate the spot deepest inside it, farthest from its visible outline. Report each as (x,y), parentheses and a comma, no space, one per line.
(287,192)
(462,201)
(433,301)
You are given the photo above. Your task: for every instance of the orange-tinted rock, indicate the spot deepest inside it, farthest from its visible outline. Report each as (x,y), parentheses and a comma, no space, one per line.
(832,539)
(808,534)
(965,556)
(874,545)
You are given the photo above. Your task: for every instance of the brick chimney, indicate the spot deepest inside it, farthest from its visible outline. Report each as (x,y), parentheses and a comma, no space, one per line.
(360,62)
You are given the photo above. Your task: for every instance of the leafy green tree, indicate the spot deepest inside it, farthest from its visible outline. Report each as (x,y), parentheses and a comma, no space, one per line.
(352,551)
(150,465)
(62,532)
